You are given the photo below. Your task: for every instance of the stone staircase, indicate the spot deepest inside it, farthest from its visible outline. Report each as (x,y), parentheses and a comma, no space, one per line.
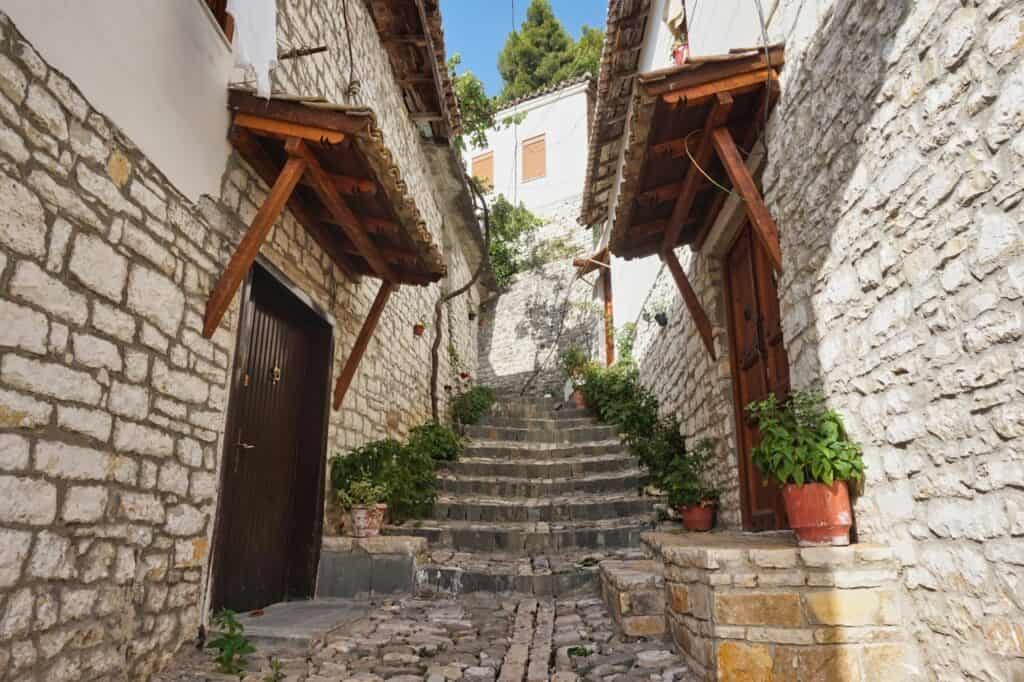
(537,499)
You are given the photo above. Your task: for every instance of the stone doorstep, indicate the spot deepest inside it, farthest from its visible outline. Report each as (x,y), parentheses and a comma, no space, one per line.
(363,568)
(381,544)
(294,627)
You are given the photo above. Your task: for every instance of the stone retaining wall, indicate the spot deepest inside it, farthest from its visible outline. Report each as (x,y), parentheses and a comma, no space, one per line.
(112,405)
(894,174)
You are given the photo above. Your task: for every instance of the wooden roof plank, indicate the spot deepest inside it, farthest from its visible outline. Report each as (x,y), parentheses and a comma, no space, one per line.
(718,115)
(350,122)
(261,125)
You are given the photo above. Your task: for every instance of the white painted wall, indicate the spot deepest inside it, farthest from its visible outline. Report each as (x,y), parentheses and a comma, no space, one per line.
(562,117)
(158,69)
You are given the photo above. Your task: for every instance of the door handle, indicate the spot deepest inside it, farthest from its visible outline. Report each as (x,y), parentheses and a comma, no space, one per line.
(244,446)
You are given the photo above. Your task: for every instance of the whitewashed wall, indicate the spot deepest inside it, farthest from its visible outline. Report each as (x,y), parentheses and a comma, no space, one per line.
(562,117)
(158,69)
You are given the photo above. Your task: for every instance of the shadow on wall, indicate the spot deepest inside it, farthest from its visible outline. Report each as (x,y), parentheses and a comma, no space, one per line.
(524,329)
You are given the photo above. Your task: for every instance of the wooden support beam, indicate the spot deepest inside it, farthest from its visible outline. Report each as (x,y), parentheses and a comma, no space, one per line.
(674,148)
(350,223)
(271,127)
(733,85)
(688,190)
(609,319)
(348,122)
(254,154)
(374,225)
(245,254)
(362,341)
(700,318)
(743,184)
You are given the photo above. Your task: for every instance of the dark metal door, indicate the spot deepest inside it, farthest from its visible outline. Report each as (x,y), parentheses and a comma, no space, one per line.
(759,367)
(268,533)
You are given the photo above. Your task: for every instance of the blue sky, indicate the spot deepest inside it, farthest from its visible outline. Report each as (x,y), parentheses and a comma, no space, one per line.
(477,29)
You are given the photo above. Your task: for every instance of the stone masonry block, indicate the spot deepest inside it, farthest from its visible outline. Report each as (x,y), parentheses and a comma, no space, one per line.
(26,500)
(98,266)
(853,607)
(643,626)
(22,219)
(678,598)
(49,379)
(741,661)
(753,608)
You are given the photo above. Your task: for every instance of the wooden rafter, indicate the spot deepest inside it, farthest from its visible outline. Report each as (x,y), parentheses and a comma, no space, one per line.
(284,129)
(760,217)
(245,253)
(261,162)
(700,318)
(688,190)
(362,341)
(348,185)
(734,85)
(350,223)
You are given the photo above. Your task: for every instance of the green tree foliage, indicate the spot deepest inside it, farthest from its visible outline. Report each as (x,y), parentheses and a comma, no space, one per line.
(542,53)
(509,224)
(477,109)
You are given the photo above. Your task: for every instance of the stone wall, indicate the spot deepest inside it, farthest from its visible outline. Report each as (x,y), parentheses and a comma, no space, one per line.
(112,405)
(543,312)
(894,174)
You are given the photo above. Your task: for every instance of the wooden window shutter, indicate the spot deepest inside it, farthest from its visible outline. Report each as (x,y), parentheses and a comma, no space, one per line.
(483,168)
(220,13)
(535,164)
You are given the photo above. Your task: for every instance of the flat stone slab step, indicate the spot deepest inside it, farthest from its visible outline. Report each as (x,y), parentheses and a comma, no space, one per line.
(538,423)
(451,573)
(529,537)
(508,486)
(578,434)
(509,450)
(294,627)
(574,467)
(552,509)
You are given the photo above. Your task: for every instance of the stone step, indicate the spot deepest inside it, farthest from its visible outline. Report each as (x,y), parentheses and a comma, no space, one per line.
(448,573)
(625,480)
(579,434)
(569,467)
(512,451)
(529,537)
(538,410)
(538,423)
(552,509)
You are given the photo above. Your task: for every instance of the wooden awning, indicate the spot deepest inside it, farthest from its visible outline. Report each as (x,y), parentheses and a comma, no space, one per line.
(329,165)
(711,111)
(411,32)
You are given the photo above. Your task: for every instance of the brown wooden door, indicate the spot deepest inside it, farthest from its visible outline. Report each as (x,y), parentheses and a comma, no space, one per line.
(759,367)
(269,528)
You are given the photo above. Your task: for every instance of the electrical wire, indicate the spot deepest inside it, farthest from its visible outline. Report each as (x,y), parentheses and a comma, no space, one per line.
(768,63)
(354,86)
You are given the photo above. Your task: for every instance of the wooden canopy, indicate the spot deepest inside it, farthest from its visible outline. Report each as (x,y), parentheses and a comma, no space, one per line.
(411,32)
(709,111)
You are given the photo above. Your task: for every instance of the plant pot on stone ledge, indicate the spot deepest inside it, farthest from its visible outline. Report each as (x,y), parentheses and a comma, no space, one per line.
(804,447)
(367,519)
(579,399)
(700,517)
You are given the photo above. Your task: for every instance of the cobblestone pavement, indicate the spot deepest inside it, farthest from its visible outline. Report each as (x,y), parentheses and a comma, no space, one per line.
(479,637)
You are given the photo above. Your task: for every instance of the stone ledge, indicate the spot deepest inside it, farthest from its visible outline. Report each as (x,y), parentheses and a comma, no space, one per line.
(382,544)
(635,594)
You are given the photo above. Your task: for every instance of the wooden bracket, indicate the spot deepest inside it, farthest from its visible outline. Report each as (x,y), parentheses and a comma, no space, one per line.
(700,318)
(760,218)
(350,224)
(362,341)
(688,190)
(245,253)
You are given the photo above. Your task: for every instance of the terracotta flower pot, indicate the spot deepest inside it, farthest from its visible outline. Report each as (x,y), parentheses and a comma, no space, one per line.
(367,520)
(578,399)
(418,329)
(819,514)
(698,517)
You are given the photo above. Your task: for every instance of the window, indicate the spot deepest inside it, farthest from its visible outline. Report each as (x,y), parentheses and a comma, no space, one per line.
(219,8)
(534,158)
(483,168)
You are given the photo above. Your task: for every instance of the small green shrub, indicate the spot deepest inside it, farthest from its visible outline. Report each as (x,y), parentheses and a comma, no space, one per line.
(276,671)
(231,643)
(625,339)
(407,476)
(362,492)
(802,441)
(573,362)
(685,478)
(438,441)
(468,407)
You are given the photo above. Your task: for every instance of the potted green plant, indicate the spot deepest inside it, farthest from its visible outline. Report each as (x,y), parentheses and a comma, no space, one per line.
(364,501)
(685,481)
(574,361)
(805,448)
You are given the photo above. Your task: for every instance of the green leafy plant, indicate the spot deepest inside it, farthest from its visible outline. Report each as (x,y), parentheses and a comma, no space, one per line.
(574,362)
(685,478)
(509,225)
(407,476)
(803,441)
(362,492)
(469,406)
(438,441)
(578,651)
(231,643)
(549,251)
(276,671)
(624,340)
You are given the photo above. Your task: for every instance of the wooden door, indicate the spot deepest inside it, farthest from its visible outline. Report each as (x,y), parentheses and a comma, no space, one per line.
(268,532)
(759,367)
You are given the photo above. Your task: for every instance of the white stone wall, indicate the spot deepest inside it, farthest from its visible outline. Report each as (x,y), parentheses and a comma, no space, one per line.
(894,172)
(112,405)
